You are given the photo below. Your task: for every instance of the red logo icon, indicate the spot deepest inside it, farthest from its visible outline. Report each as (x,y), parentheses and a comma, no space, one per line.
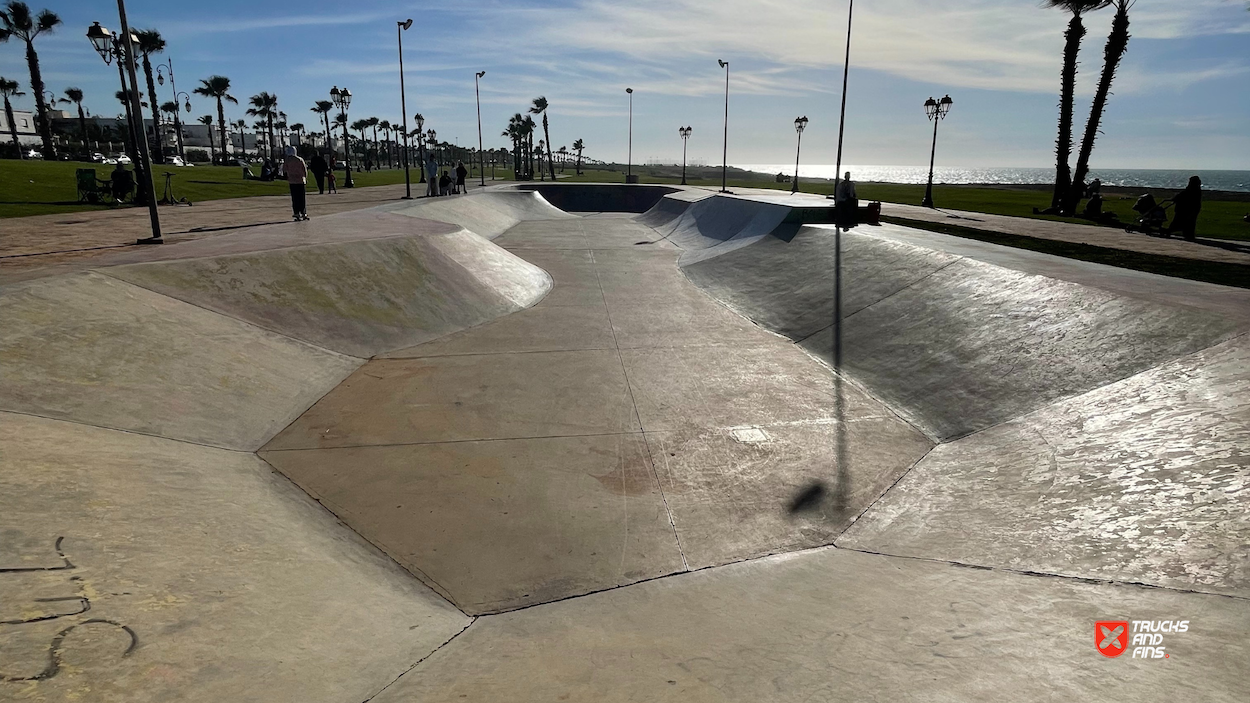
(1111,637)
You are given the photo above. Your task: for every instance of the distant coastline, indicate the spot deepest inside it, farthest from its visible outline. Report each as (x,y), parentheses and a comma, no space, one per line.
(1229,181)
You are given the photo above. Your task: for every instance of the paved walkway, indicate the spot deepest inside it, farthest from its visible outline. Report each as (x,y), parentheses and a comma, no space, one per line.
(1109,237)
(42,240)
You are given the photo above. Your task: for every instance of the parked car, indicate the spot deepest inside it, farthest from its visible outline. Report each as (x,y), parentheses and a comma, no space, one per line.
(124,159)
(97,158)
(34,154)
(178,161)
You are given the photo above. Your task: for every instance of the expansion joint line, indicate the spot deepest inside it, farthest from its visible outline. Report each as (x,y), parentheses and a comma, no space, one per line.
(634,404)
(418,662)
(1047,574)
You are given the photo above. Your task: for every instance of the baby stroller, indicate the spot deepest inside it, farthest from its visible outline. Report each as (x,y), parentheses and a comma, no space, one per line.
(1153,216)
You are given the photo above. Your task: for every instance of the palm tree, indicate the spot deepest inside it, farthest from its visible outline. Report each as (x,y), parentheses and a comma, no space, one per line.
(530,128)
(385,126)
(341,120)
(516,132)
(1113,53)
(132,146)
(1067,88)
(241,125)
(323,107)
(361,126)
(150,42)
(540,108)
(207,121)
(9,89)
(298,130)
(16,20)
(218,87)
(564,157)
(374,122)
(73,96)
(265,106)
(579,145)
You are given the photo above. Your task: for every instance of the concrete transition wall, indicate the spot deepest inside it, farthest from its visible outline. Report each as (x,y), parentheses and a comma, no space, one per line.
(598,197)
(954,345)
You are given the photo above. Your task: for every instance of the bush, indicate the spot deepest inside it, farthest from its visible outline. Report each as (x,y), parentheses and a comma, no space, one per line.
(197,156)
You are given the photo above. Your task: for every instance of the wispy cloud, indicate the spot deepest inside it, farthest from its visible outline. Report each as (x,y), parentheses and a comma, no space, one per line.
(990,44)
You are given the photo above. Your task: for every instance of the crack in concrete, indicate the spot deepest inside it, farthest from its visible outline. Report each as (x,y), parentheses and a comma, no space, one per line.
(422,659)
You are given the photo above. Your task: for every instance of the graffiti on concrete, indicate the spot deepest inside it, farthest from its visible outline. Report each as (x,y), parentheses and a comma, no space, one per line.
(75,606)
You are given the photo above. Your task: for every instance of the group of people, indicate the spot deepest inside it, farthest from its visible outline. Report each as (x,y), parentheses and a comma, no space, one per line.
(446,184)
(295,170)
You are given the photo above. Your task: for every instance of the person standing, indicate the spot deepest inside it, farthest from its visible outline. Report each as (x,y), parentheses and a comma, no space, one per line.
(1188,204)
(846,202)
(318,166)
(461,174)
(297,177)
(431,175)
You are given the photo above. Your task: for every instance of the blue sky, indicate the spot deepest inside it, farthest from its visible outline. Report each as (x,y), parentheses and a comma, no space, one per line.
(1181,100)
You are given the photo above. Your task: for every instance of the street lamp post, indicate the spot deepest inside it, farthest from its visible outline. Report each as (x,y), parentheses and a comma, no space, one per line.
(123,50)
(161,69)
(403,104)
(937,111)
(342,99)
(629,158)
(800,124)
(685,137)
(421,147)
(724,168)
(481,158)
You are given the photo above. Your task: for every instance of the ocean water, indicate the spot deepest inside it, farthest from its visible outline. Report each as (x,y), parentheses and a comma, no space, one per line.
(1237,181)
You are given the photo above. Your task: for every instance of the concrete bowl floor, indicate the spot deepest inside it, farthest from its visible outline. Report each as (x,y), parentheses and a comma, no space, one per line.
(625,428)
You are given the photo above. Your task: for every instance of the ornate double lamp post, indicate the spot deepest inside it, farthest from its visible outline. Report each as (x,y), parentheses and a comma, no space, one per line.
(122,48)
(685,137)
(342,99)
(800,124)
(937,111)
(179,97)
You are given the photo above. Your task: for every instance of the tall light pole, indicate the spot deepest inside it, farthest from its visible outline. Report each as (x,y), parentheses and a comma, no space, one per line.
(937,111)
(800,124)
(103,41)
(481,158)
(724,166)
(685,136)
(841,437)
(178,97)
(629,159)
(403,104)
(420,147)
(342,99)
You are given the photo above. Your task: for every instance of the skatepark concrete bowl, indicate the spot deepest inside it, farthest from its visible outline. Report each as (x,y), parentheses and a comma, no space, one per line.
(485,448)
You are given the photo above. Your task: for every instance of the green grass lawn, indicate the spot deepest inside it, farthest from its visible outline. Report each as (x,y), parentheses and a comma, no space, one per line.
(48,187)
(37,188)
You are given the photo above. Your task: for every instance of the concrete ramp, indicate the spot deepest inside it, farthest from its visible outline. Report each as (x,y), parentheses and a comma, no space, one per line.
(953,344)
(98,351)
(488,214)
(362,298)
(600,197)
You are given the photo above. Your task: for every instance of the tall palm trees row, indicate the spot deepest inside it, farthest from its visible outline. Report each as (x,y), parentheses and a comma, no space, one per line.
(520,131)
(18,21)
(1070,186)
